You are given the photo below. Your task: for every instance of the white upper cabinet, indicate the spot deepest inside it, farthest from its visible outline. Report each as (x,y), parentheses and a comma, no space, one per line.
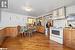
(55,13)
(59,13)
(70,10)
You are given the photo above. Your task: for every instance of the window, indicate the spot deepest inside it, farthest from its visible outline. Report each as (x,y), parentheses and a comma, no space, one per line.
(31,20)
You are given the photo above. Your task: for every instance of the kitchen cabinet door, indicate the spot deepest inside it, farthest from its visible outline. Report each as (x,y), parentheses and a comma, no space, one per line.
(67,37)
(70,10)
(73,38)
(61,12)
(55,13)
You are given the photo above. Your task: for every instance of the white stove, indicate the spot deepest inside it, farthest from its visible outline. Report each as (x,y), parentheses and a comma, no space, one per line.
(56,34)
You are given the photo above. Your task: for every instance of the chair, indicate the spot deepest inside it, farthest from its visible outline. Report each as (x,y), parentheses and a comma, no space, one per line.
(30,30)
(18,29)
(25,30)
(21,30)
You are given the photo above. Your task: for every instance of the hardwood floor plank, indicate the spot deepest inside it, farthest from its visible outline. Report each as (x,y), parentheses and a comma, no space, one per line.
(36,42)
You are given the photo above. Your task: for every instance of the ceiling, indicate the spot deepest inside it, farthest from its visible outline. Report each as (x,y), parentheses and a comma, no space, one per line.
(39,7)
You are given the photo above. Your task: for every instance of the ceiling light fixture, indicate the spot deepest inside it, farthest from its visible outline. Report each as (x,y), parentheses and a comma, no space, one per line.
(27,7)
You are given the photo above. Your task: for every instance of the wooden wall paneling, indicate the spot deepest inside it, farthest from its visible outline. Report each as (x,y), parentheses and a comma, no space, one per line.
(10,31)
(1,36)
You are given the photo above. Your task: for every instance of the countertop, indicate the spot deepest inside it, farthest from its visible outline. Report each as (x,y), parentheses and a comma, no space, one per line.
(70,27)
(2,27)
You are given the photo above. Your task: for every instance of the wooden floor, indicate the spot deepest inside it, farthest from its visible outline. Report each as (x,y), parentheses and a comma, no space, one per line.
(36,42)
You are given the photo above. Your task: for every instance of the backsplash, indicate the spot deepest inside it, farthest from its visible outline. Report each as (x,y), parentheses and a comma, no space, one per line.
(72,23)
(59,23)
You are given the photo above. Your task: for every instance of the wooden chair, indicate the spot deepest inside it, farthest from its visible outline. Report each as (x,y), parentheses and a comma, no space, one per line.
(18,29)
(25,30)
(20,33)
(30,30)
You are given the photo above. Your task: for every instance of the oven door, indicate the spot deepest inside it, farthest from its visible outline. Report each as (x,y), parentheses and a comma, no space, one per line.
(57,33)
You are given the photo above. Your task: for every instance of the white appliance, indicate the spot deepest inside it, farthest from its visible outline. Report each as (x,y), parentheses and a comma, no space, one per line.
(56,34)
